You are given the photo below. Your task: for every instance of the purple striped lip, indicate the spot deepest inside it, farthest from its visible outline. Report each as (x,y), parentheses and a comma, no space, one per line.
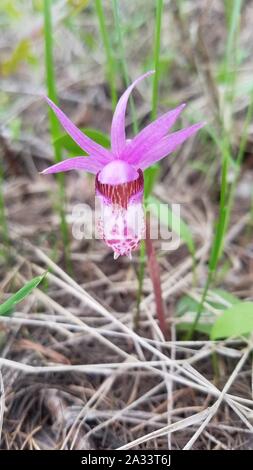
(120,194)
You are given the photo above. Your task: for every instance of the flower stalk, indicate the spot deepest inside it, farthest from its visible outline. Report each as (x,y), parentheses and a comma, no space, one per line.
(154,272)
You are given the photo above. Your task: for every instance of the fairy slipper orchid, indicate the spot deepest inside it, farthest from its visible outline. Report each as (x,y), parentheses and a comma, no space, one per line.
(119,171)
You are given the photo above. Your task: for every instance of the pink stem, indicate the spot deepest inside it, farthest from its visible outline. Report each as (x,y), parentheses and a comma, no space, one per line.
(154,271)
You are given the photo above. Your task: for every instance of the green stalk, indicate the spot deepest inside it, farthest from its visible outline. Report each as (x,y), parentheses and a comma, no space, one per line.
(227,192)
(108,51)
(159,10)
(231,56)
(191,331)
(54,125)
(218,241)
(232,51)
(123,62)
(238,160)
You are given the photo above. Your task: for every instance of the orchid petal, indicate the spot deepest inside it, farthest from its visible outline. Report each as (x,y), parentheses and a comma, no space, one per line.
(78,163)
(151,134)
(99,153)
(118,134)
(167,145)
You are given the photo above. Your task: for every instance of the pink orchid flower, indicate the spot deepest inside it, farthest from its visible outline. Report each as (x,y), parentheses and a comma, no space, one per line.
(119,172)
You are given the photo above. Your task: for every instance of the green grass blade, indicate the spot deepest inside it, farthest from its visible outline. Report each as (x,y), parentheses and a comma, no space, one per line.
(224,206)
(50,76)
(20,295)
(150,177)
(108,51)
(54,125)
(123,63)
(233,10)
(238,161)
(157,41)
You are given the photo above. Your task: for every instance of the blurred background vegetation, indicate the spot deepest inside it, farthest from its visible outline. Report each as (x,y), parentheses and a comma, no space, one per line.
(83,54)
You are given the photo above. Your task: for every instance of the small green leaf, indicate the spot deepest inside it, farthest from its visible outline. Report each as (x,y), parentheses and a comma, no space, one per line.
(186,304)
(15,129)
(235,321)
(21,53)
(11,9)
(20,295)
(166,216)
(201,327)
(68,143)
(150,176)
(227,296)
(78,3)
